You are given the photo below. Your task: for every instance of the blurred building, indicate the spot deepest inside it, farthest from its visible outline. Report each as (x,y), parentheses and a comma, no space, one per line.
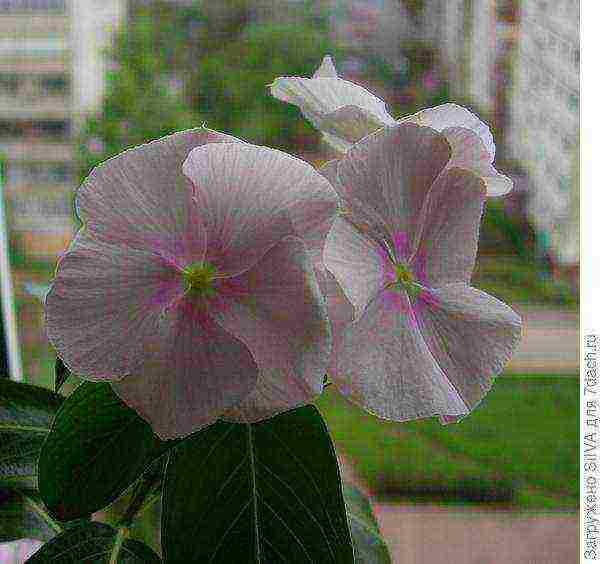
(51,75)
(543,124)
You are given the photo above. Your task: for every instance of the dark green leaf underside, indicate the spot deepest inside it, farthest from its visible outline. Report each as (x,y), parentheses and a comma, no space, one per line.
(26,414)
(93,542)
(97,448)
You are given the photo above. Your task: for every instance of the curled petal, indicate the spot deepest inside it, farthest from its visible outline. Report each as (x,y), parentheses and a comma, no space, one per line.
(469,151)
(382,363)
(252,197)
(452,115)
(334,106)
(104,303)
(471,335)
(450,222)
(192,372)
(278,311)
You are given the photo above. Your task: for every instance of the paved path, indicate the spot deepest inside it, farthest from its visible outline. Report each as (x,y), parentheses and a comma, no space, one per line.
(434,535)
(550,342)
(430,534)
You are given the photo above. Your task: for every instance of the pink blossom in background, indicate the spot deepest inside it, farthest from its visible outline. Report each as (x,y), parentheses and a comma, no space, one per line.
(17,552)
(345,113)
(431,80)
(422,341)
(191,285)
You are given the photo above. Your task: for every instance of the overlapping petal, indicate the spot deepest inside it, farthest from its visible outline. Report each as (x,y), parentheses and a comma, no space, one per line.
(138,197)
(385,178)
(471,335)
(451,115)
(449,228)
(355,263)
(192,372)
(345,112)
(252,197)
(469,151)
(277,310)
(105,300)
(383,363)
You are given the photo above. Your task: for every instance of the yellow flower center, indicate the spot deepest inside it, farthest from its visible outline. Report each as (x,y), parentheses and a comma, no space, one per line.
(198,279)
(403,275)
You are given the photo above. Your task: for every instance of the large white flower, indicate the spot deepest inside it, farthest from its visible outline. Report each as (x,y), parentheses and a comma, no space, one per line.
(345,112)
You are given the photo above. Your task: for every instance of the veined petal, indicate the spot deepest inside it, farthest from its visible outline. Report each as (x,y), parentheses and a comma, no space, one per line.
(192,372)
(469,151)
(452,115)
(253,197)
(137,198)
(382,363)
(279,313)
(348,125)
(385,178)
(471,335)
(104,302)
(356,262)
(449,235)
(339,308)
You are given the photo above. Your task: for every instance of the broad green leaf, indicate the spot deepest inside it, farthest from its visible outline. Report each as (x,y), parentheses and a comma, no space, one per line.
(94,542)
(369,545)
(61,374)
(26,414)
(262,493)
(96,449)
(23,515)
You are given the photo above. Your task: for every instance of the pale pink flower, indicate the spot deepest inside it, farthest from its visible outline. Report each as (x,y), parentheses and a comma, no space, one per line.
(17,552)
(345,112)
(422,342)
(189,289)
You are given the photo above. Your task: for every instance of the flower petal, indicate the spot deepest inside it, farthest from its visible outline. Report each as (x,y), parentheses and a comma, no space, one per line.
(193,371)
(326,69)
(385,178)
(252,197)
(341,110)
(280,314)
(138,197)
(471,335)
(469,151)
(339,309)
(348,125)
(355,262)
(452,115)
(104,302)
(382,363)
(450,223)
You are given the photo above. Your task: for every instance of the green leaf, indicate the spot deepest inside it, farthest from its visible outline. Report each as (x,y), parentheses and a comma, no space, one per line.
(96,449)
(23,515)
(94,542)
(61,374)
(26,414)
(369,545)
(261,493)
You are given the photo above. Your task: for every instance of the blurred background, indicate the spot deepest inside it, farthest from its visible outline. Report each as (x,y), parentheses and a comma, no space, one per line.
(81,80)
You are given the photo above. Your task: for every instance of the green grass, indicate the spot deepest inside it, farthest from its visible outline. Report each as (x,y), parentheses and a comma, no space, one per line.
(518,448)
